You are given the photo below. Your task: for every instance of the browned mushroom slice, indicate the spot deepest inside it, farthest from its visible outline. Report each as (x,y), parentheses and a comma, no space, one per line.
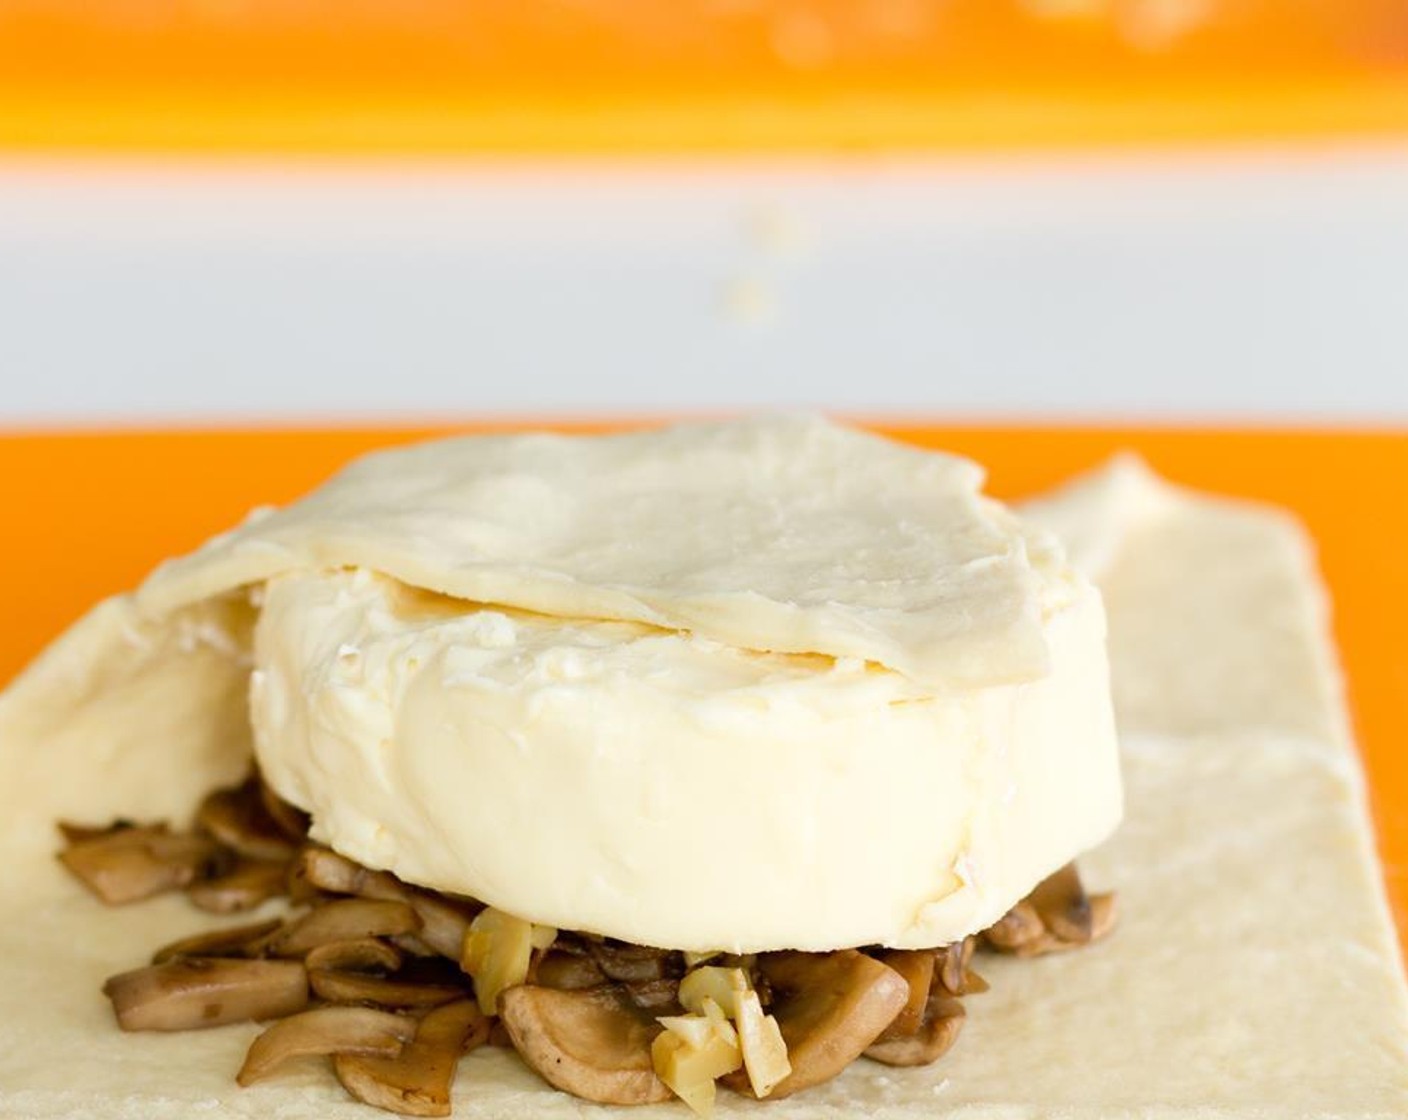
(129,864)
(248,884)
(1102,920)
(1023,944)
(566,971)
(917,968)
(233,942)
(359,987)
(498,1033)
(444,921)
(344,920)
(659,997)
(291,820)
(325,870)
(82,833)
(326,1030)
(359,954)
(412,946)
(593,1044)
(237,818)
(1020,926)
(187,993)
(1104,914)
(633,964)
(1063,906)
(417,1082)
(954,968)
(943,1019)
(952,962)
(829,1007)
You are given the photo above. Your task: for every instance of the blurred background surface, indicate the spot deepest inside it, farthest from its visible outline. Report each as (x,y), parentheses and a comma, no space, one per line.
(225,211)
(514,75)
(1213,288)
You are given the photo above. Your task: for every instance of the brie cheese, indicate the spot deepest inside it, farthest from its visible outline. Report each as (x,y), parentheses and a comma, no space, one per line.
(668,790)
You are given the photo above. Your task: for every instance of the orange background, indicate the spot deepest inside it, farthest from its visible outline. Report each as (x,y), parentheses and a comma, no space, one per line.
(686,75)
(87,515)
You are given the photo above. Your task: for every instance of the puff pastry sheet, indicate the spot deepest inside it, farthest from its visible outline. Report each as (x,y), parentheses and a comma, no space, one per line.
(1254,974)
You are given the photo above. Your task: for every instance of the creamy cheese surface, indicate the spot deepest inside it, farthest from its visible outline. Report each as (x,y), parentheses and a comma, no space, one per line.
(670,790)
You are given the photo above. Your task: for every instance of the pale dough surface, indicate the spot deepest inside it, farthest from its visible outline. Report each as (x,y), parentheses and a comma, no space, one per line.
(1254,975)
(846,543)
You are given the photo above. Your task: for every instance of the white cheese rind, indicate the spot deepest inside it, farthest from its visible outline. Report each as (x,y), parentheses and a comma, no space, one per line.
(668,790)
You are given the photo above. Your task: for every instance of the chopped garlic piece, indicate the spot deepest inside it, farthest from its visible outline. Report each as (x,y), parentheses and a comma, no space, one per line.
(693,1030)
(497,951)
(722,985)
(764,1051)
(715,1015)
(694,960)
(692,1052)
(697,1092)
(715,995)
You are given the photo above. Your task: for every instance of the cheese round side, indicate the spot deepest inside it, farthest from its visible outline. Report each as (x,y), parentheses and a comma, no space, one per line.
(668,790)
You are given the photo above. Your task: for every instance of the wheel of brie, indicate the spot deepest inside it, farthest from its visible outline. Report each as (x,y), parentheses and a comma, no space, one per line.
(755,686)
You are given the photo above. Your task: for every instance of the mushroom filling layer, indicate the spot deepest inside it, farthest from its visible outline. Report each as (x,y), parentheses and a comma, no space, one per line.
(394,983)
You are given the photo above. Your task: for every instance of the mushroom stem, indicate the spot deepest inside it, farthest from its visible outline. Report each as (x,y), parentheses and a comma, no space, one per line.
(237,818)
(187,993)
(917,968)
(358,987)
(344,920)
(291,820)
(124,865)
(444,922)
(326,1030)
(249,884)
(237,941)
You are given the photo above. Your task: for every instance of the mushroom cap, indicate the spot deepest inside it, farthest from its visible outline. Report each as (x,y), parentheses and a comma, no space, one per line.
(1063,906)
(942,1021)
(829,1007)
(417,1081)
(593,1043)
(358,954)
